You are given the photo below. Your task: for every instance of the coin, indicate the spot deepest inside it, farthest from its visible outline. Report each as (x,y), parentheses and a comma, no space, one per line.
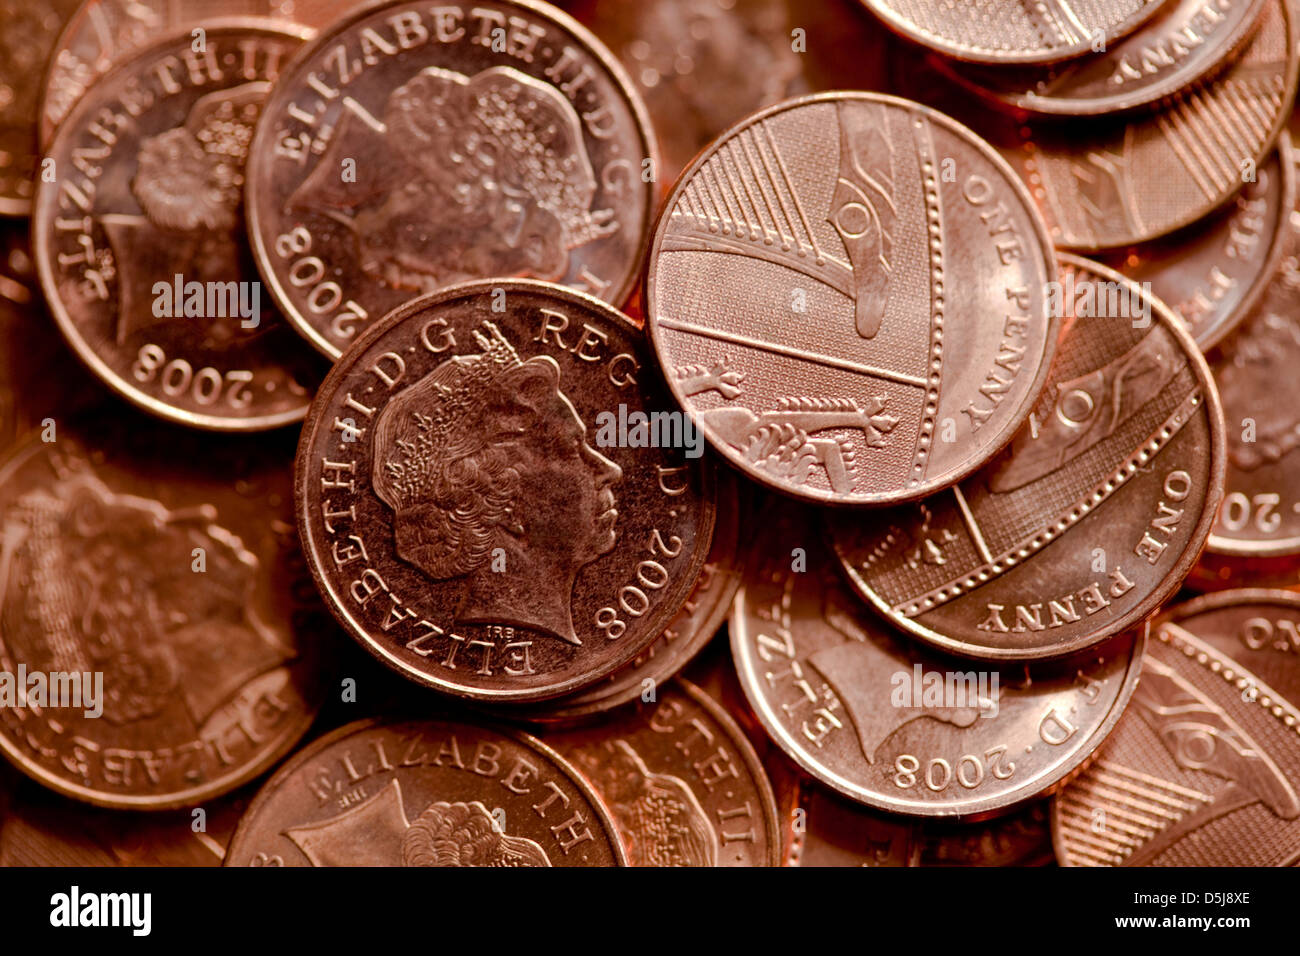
(1204,768)
(1090,519)
(30,30)
(101,34)
(1183,43)
(456,514)
(152,577)
(1255,371)
(703,613)
(138,236)
(409,148)
(1123,180)
(682,783)
(1213,272)
(806,296)
(993,31)
(426,793)
(895,726)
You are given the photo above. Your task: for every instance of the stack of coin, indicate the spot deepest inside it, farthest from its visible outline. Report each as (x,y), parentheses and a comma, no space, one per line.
(735,433)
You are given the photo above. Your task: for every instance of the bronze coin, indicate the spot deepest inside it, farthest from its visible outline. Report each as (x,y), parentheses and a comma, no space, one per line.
(101,34)
(1022,31)
(139,236)
(1255,372)
(703,613)
(1204,769)
(1125,180)
(30,29)
(896,726)
(1089,520)
(1183,43)
(456,514)
(412,147)
(682,783)
(1213,272)
(426,793)
(840,280)
(157,572)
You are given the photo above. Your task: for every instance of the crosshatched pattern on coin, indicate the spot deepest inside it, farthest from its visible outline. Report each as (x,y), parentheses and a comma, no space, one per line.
(897,726)
(409,149)
(1090,518)
(1014,31)
(849,294)
(1211,739)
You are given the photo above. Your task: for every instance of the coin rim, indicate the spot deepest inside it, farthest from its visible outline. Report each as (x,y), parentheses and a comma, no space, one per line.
(303,516)
(271,788)
(44,212)
(1170,582)
(1009,427)
(259,176)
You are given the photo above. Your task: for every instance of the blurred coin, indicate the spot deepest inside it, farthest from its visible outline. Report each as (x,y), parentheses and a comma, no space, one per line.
(1184,42)
(1204,769)
(895,726)
(156,572)
(1089,520)
(426,793)
(1021,31)
(682,783)
(458,515)
(821,319)
(139,236)
(695,625)
(412,147)
(1255,372)
(27,37)
(1213,272)
(101,34)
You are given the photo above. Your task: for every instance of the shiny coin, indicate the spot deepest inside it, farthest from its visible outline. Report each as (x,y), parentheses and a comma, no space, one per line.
(1183,43)
(30,29)
(158,571)
(1204,769)
(412,147)
(889,724)
(682,783)
(139,236)
(426,793)
(1213,272)
(996,31)
(481,509)
(1255,371)
(842,279)
(1090,519)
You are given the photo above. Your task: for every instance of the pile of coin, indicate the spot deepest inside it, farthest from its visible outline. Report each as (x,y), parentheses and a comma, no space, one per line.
(411,455)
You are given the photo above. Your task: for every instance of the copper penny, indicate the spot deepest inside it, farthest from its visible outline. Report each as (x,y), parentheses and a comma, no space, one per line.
(896,726)
(1255,371)
(101,34)
(1021,31)
(162,568)
(842,278)
(31,28)
(1183,43)
(139,236)
(1090,519)
(426,793)
(412,147)
(1213,272)
(1204,769)
(456,514)
(696,624)
(682,783)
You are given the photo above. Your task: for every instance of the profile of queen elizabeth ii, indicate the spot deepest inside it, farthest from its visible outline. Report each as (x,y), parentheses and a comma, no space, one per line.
(485,453)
